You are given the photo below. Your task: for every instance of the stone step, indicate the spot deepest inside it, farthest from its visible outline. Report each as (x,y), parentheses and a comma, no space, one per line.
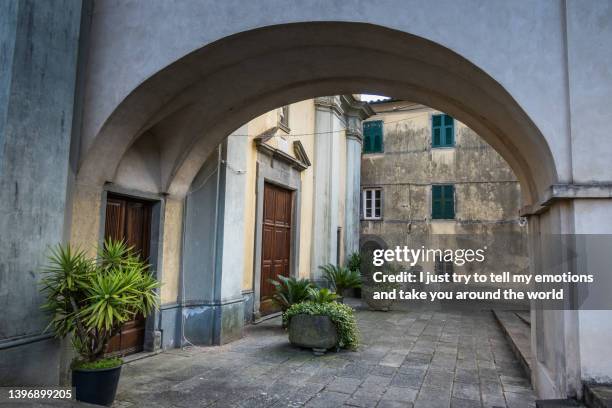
(518,333)
(598,395)
(558,403)
(524,316)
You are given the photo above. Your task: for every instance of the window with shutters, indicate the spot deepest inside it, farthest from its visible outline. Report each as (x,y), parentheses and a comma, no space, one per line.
(444,268)
(442,131)
(443,202)
(372,203)
(373,136)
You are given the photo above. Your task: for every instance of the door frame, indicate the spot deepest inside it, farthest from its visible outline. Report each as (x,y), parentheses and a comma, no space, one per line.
(289,180)
(152,341)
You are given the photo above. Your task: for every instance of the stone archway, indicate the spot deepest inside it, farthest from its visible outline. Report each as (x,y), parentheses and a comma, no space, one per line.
(364,58)
(192,104)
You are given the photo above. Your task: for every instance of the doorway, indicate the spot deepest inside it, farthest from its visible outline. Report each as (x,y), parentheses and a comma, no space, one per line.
(276,242)
(129,220)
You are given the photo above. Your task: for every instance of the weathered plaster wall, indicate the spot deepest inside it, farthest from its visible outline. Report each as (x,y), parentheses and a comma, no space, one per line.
(39,60)
(487,195)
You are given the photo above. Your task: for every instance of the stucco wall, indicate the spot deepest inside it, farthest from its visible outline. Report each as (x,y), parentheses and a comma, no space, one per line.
(487,195)
(301,127)
(172,239)
(39,60)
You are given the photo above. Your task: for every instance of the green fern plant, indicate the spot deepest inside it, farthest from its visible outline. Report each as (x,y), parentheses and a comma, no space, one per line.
(322,295)
(289,291)
(91,298)
(341,278)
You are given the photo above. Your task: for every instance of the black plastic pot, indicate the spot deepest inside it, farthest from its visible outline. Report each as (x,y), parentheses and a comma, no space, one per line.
(96,386)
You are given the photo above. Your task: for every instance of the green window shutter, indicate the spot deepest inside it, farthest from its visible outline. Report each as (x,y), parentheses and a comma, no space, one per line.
(373,136)
(449,131)
(442,202)
(367,141)
(436,130)
(449,201)
(442,131)
(436,202)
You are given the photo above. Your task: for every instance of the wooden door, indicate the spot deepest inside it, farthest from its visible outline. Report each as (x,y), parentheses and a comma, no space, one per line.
(129,220)
(276,241)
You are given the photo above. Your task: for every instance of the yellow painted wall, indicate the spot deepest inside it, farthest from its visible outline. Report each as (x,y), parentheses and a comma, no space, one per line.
(173,226)
(301,125)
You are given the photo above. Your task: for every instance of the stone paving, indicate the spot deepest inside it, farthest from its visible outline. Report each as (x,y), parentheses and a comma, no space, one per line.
(407,359)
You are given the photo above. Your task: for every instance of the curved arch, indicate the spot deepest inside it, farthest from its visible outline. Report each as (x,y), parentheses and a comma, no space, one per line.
(217,88)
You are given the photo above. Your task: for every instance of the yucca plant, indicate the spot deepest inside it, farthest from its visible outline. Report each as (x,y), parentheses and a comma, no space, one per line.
(322,295)
(341,278)
(288,291)
(91,298)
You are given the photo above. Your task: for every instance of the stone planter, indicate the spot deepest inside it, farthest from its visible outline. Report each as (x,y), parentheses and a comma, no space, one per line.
(382,305)
(314,332)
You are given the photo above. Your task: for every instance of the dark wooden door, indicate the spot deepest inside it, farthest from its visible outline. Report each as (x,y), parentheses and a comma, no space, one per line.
(276,241)
(129,220)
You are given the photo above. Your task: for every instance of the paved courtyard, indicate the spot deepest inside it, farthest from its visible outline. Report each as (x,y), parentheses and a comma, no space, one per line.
(407,359)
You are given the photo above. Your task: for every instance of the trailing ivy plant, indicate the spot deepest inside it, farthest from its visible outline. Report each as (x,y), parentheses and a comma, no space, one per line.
(90,298)
(341,315)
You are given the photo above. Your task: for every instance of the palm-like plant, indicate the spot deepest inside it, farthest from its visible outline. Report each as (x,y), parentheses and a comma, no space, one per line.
(91,298)
(322,295)
(288,291)
(354,261)
(341,278)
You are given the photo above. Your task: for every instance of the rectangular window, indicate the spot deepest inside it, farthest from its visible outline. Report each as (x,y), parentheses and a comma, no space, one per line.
(444,268)
(283,117)
(442,131)
(443,202)
(373,136)
(372,203)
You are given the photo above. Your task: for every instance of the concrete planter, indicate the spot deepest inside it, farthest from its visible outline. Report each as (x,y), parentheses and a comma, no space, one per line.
(381,305)
(315,332)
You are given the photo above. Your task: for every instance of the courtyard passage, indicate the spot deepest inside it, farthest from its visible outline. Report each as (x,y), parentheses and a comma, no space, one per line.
(407,359)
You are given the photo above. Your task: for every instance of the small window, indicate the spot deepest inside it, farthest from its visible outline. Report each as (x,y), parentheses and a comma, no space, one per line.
(372,203)
(373,136)
(442,131)
(444,268)
(443,202)
(283,117)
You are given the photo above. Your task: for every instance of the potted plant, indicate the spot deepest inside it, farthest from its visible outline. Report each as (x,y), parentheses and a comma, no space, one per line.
(321,324)
(353,263)
(90,298)
(288,291)
(341,278)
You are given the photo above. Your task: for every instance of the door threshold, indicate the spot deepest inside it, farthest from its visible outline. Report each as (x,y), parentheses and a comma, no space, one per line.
(140,355)
(267,317)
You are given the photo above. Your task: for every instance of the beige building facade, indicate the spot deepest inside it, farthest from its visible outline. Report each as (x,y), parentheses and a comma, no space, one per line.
(427,179)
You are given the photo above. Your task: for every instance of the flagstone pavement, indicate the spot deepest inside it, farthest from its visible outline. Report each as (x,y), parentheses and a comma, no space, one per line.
(406,359)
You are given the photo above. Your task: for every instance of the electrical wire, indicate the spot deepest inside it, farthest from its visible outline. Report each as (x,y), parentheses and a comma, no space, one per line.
(334,131)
